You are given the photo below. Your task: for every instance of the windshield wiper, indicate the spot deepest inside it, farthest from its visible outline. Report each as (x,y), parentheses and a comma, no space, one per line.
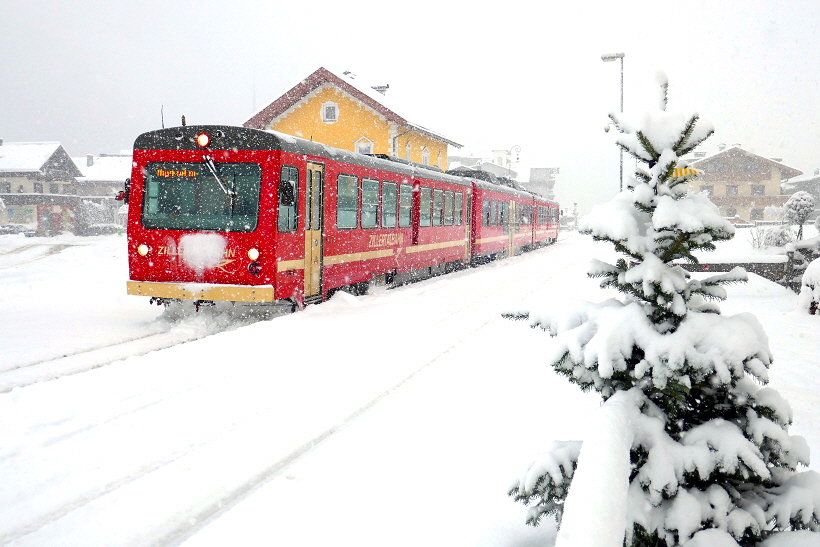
(209,161)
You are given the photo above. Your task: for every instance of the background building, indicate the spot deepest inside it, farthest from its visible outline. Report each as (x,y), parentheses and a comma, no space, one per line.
(340,112)
(742,184)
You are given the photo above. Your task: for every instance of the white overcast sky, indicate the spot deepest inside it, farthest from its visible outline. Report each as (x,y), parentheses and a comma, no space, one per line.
(95,74)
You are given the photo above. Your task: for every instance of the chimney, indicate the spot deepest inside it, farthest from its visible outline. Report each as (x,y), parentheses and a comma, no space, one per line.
(381,88)
(721,147)
(89,160)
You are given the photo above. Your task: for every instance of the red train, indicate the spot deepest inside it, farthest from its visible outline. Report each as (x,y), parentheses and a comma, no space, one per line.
(222,213)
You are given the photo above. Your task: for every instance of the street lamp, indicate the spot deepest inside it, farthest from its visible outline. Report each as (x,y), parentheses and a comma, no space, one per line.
(608,58)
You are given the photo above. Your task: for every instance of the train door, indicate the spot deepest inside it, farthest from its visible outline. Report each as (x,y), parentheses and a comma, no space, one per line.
(313,231)
(512,228)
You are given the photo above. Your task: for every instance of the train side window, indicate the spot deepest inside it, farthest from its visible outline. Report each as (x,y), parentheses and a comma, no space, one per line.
(426,202)
(438,199)
(505,216)
(448,207)
(370,203)
(457,210)
(347,201)
(405,204)
(288,190)
(485,212)
(493,213)
(389,201)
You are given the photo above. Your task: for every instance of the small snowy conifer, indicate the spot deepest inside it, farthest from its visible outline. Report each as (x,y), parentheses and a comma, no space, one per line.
(711,459)
(798,209)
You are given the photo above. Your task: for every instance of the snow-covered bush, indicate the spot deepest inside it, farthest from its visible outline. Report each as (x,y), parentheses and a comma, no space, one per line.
(703,455)
(798,209)
(777,236)
(809,298)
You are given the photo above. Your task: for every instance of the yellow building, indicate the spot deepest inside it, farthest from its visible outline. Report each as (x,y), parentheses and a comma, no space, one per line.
(332,110)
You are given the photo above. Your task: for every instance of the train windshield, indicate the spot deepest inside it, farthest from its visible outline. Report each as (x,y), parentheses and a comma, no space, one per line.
(201,196)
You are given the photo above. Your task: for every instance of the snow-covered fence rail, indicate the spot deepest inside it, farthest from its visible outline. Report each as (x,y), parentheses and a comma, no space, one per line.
(786,269)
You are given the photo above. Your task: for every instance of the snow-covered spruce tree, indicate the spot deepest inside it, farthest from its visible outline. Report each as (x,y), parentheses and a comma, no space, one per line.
(710,458)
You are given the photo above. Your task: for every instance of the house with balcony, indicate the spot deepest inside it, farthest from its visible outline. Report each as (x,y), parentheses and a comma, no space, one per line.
(338,111)
(742,184)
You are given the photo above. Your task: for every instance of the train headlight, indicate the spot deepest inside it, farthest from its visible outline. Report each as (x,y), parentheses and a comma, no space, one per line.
(255,268)
(143,249)
(203,140)
(253,253)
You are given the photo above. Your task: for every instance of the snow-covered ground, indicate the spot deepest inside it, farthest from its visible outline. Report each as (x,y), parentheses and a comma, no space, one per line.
(396,418)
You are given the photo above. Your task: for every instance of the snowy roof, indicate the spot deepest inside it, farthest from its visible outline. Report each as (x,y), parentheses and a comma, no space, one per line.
(786,172)
(20,157)
(104,168)
(348,83)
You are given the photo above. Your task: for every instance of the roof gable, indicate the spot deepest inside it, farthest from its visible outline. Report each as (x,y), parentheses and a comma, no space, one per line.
(321,77)
(104,168)
(26,157)
(738,156)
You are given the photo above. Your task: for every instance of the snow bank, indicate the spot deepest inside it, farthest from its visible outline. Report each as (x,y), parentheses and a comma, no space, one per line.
(603,466)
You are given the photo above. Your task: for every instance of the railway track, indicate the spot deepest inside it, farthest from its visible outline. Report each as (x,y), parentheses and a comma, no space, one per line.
(192,458)
(165,334)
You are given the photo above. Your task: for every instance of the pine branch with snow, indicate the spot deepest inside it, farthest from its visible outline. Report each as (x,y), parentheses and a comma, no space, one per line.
(708,447)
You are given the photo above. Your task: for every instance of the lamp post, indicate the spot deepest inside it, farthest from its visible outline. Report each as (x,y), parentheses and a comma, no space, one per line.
(607,58)
(517,150)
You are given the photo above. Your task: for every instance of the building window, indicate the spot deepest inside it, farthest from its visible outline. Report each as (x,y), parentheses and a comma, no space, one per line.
(364,146)
(757,214)
(425,156)
(731,190)
(708,190)
(330,112)
(408,149)
(38,187)
(53,188)
(758,190)
(5,187)
(440,164)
